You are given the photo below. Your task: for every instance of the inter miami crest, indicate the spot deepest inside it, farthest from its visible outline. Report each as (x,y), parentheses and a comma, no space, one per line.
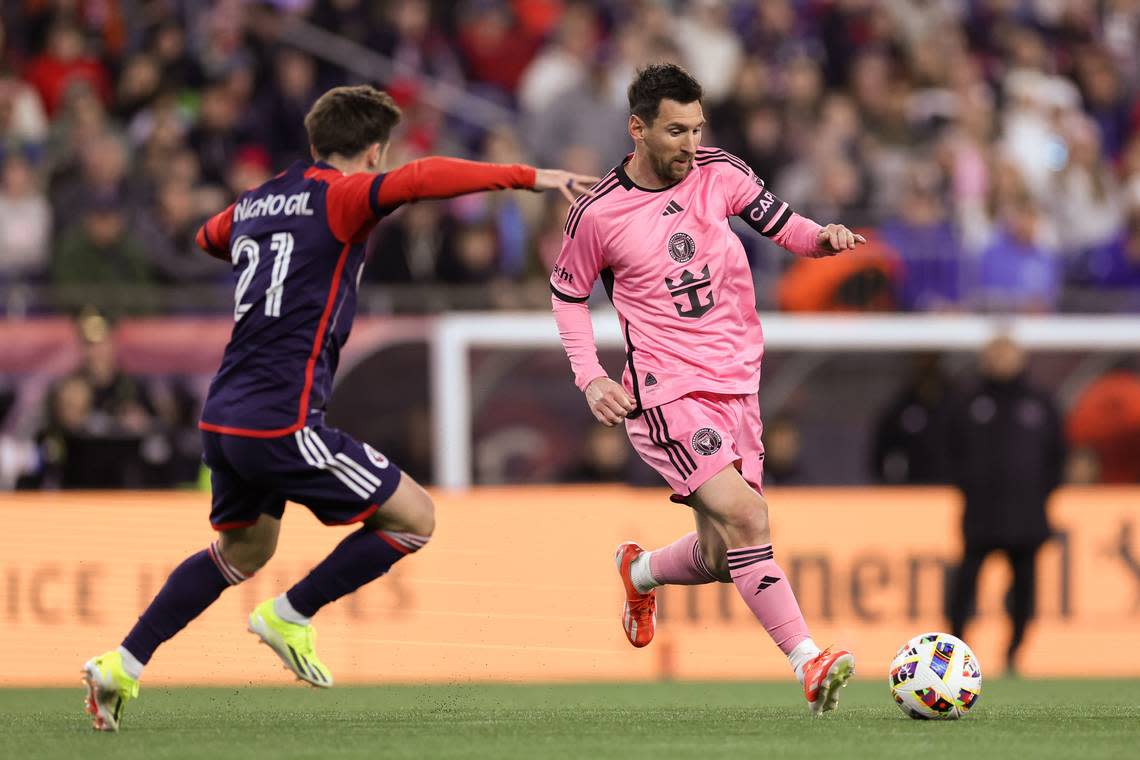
(682,248)
(706,442)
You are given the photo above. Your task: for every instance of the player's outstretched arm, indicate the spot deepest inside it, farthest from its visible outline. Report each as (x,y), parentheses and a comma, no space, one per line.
(448,177)
(835,238)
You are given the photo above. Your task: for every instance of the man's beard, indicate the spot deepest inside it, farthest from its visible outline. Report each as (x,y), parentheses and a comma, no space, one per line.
(668,171)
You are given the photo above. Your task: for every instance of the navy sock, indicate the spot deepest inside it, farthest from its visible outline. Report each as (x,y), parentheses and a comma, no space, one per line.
(360,558)
(191,588)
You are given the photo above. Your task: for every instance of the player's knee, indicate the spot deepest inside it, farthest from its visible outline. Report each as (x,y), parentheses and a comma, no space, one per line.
(248,553)
(748,517)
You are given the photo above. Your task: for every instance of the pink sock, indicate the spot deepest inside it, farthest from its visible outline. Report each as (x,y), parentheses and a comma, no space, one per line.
(680,563)
(766,591)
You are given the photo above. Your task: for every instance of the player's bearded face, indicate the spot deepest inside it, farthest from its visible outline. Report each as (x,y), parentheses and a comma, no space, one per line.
(672,140)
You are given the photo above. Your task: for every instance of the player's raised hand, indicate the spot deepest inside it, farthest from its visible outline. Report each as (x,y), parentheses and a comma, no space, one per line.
(569,184)
(608,401)
(835,238)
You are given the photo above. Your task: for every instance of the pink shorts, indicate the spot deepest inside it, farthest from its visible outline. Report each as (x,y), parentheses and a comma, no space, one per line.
(696,436)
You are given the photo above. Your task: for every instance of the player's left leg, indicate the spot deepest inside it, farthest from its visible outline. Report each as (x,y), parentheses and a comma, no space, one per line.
(739,515)
(342,481)
(248,520)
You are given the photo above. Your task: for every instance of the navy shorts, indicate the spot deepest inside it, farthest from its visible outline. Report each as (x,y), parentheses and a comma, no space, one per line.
(338,478)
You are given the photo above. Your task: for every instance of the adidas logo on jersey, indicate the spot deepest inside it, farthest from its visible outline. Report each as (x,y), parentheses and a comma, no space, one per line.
(272,205)
(673,208)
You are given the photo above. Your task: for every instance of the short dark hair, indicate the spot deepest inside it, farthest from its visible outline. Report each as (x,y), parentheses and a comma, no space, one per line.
(346,120)
(656,82)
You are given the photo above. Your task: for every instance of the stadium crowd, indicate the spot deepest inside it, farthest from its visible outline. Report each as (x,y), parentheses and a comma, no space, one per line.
(992,146)
(990,149)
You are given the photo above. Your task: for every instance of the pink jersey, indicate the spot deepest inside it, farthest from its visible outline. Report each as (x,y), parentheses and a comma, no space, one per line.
(677,275)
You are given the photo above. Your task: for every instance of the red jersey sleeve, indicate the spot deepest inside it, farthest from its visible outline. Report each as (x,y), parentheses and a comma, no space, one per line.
(352,207)
(357,201)
(447,177)
(214,236)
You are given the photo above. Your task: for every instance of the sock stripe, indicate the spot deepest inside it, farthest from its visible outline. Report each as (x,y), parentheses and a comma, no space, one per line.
(741,565)
(699,560)
(232,575)
(403,542)
(742,558)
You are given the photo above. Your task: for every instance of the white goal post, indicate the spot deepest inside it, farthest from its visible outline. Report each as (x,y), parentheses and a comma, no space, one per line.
(455,334)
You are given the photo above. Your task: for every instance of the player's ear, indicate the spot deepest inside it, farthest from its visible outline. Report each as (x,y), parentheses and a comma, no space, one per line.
(637,127)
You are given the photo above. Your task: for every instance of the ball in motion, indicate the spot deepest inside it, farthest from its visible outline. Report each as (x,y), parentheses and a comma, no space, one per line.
(935,676)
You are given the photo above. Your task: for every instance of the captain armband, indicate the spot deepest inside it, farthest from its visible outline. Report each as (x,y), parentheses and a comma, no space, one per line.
(767,214)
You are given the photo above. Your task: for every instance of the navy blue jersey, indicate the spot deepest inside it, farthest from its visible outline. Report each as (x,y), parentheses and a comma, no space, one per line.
(297,247)
(296,244)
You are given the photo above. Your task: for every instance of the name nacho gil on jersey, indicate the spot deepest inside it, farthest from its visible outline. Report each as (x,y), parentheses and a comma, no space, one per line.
(273,205)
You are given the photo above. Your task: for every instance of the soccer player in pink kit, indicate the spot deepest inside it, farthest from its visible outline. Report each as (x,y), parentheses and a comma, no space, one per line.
(655,229)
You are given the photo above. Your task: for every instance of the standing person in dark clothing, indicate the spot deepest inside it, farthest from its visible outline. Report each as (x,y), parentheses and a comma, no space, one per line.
(1007,453)
(910,434)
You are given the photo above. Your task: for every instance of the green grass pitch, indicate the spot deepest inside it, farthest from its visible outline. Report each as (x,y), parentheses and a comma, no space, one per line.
(1014,719)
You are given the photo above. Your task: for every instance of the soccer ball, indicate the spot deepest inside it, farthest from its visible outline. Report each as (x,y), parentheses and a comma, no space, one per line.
(935,676)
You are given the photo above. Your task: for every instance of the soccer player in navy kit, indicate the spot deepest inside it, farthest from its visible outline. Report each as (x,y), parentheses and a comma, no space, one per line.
(296,244)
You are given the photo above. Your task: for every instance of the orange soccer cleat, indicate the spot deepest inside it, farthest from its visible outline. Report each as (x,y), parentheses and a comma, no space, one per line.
(824,676)
(639,615)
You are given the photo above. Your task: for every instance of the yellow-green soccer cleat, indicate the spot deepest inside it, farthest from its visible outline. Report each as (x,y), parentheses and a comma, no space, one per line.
(109,688)
(294,644)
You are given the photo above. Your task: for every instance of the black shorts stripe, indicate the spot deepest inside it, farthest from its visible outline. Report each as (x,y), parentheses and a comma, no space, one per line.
(779,223)
(684,452)
(607,183)
(567,298)
(656,437)
(716,153)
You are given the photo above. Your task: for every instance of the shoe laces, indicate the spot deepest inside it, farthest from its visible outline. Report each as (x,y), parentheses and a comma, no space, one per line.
(644,607)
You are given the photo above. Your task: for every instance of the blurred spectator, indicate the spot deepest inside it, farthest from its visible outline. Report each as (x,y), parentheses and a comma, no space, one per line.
(563,66)
(100,252)
(167,235)
(927,244)
(910,435)
(1105,422)
(25,223)
(102,173)
(280,110)
(137,87)
(496,48)
(1016,271)
(408,248)
(22,118)
(414,43)
(1087,203)
(710,46)
(65,63)
(1001,426)
(604,457)
(583,117)
(474,259)
(216,136)
(783,448)
(96,420)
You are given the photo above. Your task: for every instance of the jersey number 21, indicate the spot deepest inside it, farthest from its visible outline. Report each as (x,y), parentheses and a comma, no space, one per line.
(282,244)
